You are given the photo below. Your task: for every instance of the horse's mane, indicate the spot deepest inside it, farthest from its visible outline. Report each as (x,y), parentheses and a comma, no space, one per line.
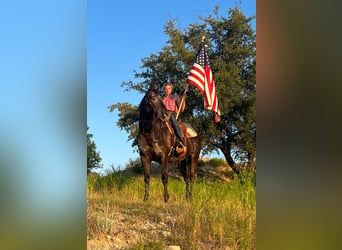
(142,107)
(147,112)
(146,108)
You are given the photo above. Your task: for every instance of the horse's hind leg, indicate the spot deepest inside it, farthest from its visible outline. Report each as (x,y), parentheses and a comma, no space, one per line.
(147,167)
(192,172)
(190,175)
(184,168)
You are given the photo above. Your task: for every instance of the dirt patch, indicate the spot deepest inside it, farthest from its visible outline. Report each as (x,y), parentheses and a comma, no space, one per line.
(123,229)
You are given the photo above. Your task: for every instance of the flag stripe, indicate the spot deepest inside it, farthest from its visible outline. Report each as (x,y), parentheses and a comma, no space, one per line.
(196,83)
(201,77)
(196,77)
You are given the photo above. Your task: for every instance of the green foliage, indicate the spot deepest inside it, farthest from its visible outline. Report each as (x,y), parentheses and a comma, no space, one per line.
(136,166)
(128,119)
(115,180)
(93,157)
(200,163)
(232,50)
(217,162)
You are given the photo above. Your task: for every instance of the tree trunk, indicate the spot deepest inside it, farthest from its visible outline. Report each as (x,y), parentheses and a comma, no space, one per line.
(251,162)
(230,161)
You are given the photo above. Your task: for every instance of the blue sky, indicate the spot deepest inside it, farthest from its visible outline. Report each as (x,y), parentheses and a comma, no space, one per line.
(43,115)
(119,35)
(48,49)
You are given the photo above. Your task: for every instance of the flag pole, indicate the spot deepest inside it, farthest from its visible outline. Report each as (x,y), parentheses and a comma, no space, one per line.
(186,88)
(182,101)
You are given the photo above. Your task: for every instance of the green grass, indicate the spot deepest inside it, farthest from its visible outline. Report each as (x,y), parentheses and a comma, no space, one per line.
(221,215)
(217,162)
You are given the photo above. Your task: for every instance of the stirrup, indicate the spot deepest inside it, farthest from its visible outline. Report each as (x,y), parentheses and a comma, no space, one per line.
(181,149)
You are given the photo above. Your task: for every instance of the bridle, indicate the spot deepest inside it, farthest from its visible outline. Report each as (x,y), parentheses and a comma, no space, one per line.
(150,102)
(154,117)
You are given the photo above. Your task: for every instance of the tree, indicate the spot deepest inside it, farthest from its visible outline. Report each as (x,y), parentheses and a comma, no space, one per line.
(93,157)
(232,50)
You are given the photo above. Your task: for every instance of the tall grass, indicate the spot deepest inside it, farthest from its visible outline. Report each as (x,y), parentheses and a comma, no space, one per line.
(220,216)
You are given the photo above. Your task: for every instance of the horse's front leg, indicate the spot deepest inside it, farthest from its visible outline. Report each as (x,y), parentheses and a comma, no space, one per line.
(147,173)
(165,176)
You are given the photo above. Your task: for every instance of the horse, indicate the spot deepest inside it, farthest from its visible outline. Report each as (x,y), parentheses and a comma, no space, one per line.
(157,140)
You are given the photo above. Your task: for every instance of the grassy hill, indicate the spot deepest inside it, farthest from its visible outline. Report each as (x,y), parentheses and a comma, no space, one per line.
(222,214)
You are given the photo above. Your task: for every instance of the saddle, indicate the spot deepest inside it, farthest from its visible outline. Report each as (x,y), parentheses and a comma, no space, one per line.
(187,132)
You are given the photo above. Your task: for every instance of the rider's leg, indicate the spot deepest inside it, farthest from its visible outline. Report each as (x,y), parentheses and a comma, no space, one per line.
(177,128)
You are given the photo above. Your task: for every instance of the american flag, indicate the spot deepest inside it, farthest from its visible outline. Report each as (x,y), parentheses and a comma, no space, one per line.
(202,77)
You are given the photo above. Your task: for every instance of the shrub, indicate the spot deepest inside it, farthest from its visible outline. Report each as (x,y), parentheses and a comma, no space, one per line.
(136,166)
(200,163)
(215,162)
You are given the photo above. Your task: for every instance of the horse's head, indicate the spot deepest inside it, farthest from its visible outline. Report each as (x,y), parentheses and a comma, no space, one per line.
(153,103)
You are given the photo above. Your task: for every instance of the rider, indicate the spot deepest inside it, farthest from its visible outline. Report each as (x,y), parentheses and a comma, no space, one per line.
(172,103)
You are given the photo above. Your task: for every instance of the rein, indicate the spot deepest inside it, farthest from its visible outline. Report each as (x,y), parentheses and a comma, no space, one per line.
(155,118)
(163,120)
(154,113)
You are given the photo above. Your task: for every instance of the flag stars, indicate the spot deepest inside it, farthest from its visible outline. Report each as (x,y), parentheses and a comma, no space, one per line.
(202,57)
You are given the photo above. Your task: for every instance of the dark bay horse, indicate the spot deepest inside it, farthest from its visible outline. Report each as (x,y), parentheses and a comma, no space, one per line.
(156,142)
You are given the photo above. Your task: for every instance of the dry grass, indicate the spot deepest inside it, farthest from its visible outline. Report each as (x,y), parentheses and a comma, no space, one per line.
(222,215)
